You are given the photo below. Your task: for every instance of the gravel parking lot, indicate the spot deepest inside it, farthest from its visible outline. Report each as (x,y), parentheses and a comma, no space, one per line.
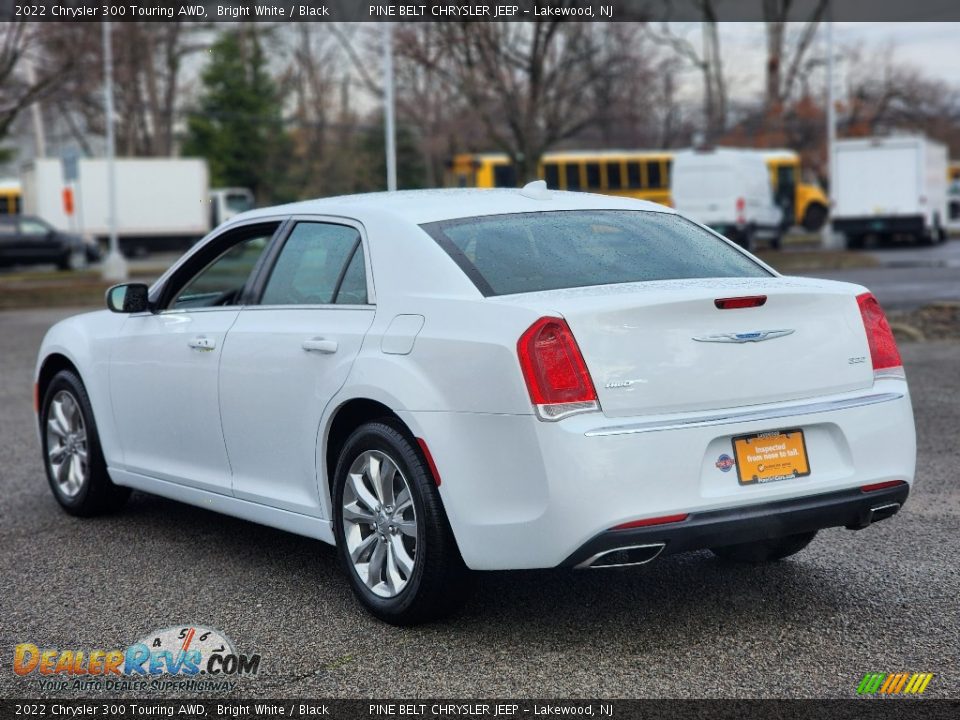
(881,600)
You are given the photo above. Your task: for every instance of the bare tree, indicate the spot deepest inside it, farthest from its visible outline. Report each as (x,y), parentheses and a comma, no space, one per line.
(23,44)
(532,85)
(708,60)
(148,65)
(787,51)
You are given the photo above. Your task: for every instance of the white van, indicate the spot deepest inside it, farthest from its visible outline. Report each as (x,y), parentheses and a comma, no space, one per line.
(890,188)
(729,190)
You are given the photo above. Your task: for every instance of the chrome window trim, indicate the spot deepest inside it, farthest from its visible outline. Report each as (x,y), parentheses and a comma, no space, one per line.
(742,416)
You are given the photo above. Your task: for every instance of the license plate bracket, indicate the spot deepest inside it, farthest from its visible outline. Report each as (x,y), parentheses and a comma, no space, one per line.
(771,456)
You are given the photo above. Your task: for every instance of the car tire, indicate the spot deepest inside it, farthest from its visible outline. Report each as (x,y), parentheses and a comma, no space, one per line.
(73,260)
(769,550)
(73,459)
(401,558)
(814,217)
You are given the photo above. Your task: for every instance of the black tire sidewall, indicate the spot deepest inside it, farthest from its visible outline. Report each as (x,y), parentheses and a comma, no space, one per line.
(393,443)
(66,380)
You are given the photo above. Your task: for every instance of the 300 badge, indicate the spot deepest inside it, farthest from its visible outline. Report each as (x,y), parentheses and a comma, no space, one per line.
(189,650)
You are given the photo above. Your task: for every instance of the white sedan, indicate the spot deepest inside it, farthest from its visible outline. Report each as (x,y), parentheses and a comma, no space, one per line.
(485,379)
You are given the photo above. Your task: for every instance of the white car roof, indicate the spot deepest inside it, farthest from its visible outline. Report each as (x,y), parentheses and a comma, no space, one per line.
(424,206)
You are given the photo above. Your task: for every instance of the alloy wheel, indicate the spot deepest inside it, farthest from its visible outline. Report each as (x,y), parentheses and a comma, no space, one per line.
(379,523)
(67,444)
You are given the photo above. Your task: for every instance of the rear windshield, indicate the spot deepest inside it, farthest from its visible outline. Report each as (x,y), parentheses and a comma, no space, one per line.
(529,252)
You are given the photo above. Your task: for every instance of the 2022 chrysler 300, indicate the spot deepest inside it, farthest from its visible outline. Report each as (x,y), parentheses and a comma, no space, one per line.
(438,381)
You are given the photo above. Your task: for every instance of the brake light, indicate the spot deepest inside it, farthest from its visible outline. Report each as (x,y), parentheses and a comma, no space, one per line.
(883,347)
(882,485)
(741,211)
(740,302)
(651,521)
(554,371)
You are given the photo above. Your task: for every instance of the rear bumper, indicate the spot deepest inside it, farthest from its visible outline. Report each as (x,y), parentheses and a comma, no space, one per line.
(520,493)
(905,224)
(853,509)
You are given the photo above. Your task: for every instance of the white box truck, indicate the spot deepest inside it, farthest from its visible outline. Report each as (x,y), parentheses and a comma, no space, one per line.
(162,203)
(889,188)
(729,190)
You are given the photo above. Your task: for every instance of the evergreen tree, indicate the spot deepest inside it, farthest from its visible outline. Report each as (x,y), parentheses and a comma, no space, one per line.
(238,124)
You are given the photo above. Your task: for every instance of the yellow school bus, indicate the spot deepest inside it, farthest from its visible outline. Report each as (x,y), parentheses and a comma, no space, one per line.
(637,174)
(642,174)
(9,198)
(953,171)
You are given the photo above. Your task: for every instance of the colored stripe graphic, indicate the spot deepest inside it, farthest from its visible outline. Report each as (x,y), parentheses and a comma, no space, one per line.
(894,683)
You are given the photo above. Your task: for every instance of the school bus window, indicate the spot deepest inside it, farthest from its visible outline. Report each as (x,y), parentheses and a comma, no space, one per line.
(593,176)
(633,176)
(613,176)
(653,175)
(573,176)
(504,176)
(551,173)
(667,167)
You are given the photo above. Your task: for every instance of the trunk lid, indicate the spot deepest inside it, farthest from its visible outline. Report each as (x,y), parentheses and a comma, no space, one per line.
(663,347)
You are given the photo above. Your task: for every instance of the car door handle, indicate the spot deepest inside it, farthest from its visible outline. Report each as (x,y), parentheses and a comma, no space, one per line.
(202,342)
(320,345)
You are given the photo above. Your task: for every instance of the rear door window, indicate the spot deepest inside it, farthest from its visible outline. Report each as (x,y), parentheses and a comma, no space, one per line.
(531,252)
(316,262)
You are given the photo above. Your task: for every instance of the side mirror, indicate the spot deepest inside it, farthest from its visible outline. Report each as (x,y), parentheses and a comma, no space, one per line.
(128,298)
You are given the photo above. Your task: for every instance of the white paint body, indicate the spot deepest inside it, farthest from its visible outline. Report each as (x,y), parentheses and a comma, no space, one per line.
(706,186)
(156,197)
(891,177)
(241,428)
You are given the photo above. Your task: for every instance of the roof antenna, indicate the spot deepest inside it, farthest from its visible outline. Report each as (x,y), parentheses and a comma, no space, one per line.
(536,190)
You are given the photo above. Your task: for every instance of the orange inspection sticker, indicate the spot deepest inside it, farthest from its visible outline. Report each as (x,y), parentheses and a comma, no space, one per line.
(771,456)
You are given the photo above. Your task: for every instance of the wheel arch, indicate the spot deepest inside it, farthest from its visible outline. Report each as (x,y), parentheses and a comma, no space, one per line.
(347,417)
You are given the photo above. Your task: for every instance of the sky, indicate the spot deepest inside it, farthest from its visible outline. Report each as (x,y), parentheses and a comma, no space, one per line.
(932,47)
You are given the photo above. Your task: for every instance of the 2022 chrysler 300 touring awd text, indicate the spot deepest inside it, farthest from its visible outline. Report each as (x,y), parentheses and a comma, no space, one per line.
(437,381)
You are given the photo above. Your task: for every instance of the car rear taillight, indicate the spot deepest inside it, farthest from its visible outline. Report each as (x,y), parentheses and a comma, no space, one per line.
(741,211)
(883,347)
(553,368)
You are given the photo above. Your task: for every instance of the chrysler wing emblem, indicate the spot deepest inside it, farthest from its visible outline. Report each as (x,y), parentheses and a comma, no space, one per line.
(744,337)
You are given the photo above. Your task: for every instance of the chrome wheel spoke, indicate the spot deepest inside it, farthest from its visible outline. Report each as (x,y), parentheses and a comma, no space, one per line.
(361,552)
(355,513)
(375,566)
(54,426)
(402,502)
(385,478)
(407,527)
(57,454)
(401,557)
(361,493)
(394,579)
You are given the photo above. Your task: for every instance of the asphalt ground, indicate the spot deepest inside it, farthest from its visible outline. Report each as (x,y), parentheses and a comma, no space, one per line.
(880,600)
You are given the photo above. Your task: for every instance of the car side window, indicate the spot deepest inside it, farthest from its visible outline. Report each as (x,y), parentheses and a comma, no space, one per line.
(221,281)
(319,262)
(33,228)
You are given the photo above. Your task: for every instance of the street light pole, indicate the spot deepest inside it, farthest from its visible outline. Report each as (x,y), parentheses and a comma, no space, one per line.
(388,105)
(828,238)
(115,265)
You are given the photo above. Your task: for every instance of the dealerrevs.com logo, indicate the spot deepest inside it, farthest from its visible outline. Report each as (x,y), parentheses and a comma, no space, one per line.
(174,658)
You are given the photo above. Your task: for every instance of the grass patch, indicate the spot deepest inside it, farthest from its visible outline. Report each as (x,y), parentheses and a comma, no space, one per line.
(792,262)
(19,290)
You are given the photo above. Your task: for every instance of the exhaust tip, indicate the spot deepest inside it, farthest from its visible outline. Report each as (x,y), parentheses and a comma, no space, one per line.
(882,512)
(624,556)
